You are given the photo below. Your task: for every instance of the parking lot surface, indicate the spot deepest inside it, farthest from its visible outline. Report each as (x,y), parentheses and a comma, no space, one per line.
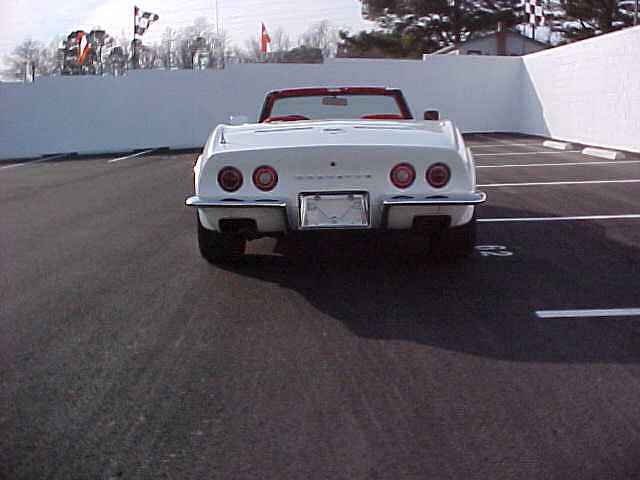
(125,355)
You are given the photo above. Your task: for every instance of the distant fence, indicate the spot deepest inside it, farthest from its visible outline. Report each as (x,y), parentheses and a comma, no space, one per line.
(548,93)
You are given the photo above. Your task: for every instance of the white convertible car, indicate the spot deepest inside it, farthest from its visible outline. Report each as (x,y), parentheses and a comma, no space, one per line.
(335,159)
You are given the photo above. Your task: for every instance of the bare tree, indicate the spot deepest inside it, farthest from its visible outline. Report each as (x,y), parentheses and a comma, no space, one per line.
(321,35)
(25,60)
(167,51)
(251,52)
(116,61)
(201,45)
(280,41)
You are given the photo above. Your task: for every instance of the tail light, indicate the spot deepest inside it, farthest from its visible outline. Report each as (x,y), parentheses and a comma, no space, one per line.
(265,178)
(438,175)
(230,179)
(402,175)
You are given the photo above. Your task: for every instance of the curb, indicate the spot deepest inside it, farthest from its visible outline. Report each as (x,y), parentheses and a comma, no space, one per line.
(602,153)
(557,145)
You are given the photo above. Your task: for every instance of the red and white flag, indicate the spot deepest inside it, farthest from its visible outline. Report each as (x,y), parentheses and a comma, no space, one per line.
(83,46)
(265,40)
(143,20)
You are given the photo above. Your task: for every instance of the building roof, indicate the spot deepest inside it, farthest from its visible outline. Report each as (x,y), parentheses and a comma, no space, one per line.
(451,48)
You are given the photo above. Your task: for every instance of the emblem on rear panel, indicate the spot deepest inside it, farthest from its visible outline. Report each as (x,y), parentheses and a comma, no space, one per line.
(333,176)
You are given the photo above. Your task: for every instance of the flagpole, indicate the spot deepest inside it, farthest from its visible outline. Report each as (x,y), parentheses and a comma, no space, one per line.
(217,22)
(133,43)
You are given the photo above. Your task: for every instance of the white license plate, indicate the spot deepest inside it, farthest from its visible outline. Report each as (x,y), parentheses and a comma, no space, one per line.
(336,210)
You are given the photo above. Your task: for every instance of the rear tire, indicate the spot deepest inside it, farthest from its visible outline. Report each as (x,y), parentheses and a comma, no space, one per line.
(456,242)
(220,248)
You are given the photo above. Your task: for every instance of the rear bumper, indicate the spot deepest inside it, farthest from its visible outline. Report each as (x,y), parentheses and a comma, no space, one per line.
(400,212)
(200,202)
(396,213)
(471,198)
(270,215)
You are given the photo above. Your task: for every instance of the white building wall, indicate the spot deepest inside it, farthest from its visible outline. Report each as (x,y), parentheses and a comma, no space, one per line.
(514,45)
(179,108)
(587,92)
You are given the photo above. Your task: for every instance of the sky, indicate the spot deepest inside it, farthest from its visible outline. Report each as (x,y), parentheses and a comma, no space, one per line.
(45,20)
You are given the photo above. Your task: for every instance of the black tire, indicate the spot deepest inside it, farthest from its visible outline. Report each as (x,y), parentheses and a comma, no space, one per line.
(220,248)
(456,242)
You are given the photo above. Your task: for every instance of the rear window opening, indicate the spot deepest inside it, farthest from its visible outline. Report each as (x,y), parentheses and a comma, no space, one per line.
(335,107)
(335,104)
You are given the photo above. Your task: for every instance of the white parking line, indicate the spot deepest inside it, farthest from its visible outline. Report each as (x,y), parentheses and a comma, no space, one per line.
(568,164)
(31,162)
(491,145)
(522,153)
(540,184)
(484,136)
(630,216)
(609,312)
(113,160)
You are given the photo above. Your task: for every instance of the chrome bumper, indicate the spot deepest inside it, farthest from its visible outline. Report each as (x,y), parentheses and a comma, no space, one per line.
(473,198)
(200,202)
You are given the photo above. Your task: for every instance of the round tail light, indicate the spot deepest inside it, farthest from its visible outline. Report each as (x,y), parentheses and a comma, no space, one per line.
(402,175)
(438,175)
(265,178)
(230,179)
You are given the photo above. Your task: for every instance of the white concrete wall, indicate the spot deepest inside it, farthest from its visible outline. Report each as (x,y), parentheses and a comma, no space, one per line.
(587,92)
(179,108)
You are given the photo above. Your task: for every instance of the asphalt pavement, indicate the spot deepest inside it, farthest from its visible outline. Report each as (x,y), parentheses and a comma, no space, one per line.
(124,355)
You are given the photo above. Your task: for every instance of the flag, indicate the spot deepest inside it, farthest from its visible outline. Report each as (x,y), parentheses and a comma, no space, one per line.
(533,9)
(143,20)
(83,46)
(265,39)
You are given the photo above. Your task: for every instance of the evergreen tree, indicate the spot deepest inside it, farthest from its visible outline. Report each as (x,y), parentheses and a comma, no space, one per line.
(409,28)
(579,19)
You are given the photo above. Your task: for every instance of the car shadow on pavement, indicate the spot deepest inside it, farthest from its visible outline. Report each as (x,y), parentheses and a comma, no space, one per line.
(484,305)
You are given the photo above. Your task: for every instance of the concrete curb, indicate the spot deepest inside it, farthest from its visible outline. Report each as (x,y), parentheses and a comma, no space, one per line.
(602,153)
(557,145)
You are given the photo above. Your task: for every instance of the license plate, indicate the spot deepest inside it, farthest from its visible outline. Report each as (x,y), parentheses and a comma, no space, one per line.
(343,210)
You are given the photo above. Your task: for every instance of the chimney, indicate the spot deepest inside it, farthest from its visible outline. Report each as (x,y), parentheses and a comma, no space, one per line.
(501,39)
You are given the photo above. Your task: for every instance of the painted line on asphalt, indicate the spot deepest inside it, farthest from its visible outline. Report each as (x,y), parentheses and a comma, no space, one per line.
(631,216)
(485,136)
(493,145)
(568,164)
(542,184)
(114,160)
(602,312)
(523,153)
(31,162)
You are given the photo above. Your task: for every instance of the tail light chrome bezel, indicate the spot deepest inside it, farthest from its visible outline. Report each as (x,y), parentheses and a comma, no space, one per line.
(226,180)
(258,174)
(402,169)
(438,175)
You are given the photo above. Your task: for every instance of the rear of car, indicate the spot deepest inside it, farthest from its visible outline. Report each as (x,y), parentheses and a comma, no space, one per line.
(375,174)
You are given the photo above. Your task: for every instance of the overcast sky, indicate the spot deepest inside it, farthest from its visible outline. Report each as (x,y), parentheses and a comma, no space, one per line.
(45,20)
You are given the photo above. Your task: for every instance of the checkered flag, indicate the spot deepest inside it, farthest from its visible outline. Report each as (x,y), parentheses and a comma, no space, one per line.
(533,9)
(143,20)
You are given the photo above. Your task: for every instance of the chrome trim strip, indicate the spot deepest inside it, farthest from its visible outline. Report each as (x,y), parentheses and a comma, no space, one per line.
(473,198)
(199,202)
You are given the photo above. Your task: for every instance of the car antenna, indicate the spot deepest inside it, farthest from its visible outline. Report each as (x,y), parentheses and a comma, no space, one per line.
(222,139)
